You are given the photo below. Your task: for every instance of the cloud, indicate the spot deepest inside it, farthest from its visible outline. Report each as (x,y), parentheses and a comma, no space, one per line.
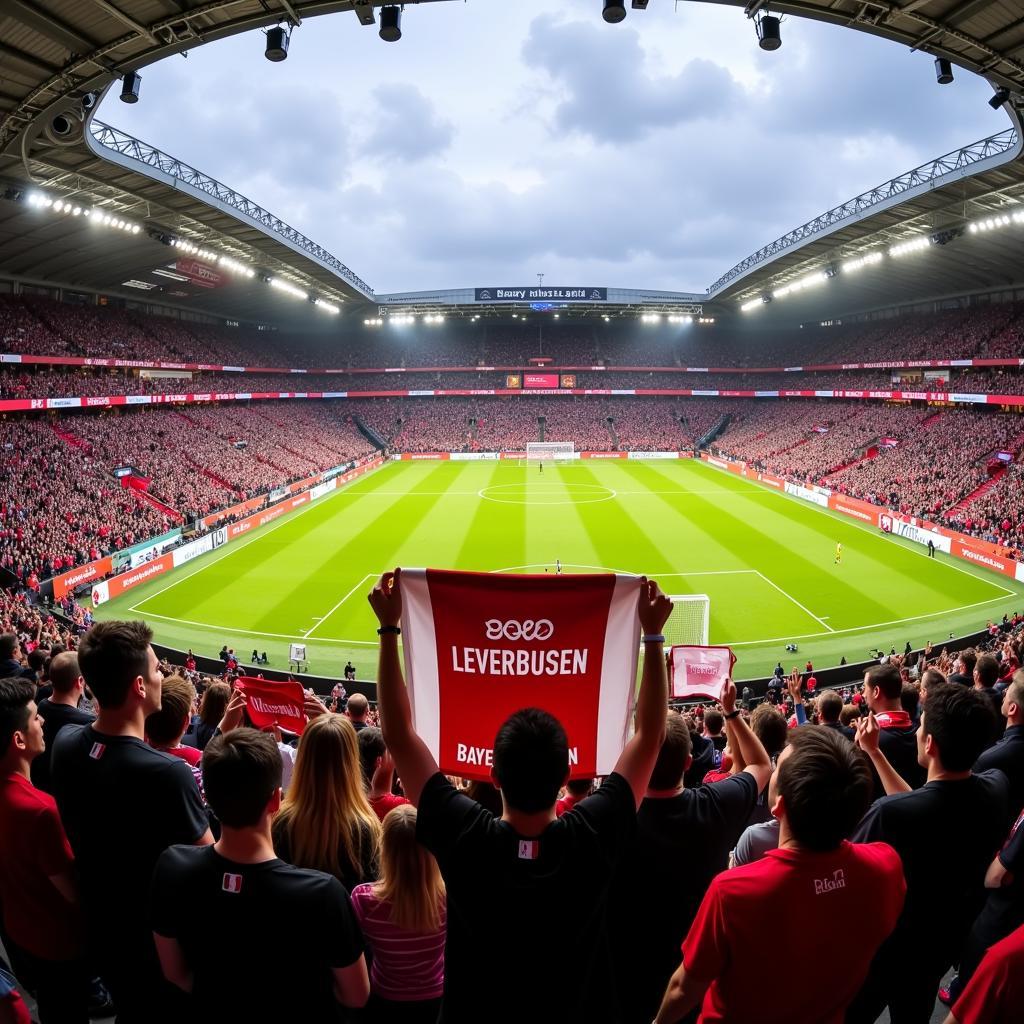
(407,126)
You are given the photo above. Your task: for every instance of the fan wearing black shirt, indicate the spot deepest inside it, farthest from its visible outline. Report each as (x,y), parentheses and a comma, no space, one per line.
(122,804)
(883,693)
(528,890)
(248,892)
(986,675)
(946,834)
(59,709)
(830,707)
(683,837)
(1008,754)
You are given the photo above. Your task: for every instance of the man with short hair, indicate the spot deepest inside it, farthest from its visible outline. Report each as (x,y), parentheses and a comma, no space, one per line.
(38,892)
(986,675)
(527,890)
(246,892)
(713,723)
(683,836)
(12,664)
(964,668)
(945,832)
(575,791)
(883,693)
(795,897)
(1008,754)
(830,708)
(356,710)
(59,709)
(123,803)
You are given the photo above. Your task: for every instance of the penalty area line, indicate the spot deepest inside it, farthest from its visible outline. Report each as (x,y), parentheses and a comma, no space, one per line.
(318,624)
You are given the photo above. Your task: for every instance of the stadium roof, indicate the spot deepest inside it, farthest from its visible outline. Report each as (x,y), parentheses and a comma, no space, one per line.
(58,55)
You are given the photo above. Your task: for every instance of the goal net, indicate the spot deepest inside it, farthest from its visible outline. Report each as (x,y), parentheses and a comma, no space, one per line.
(549,451)
(688,623)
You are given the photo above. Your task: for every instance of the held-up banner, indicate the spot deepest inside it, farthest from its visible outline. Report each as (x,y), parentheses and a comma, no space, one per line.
(699,671)
(270,704)
(480,646)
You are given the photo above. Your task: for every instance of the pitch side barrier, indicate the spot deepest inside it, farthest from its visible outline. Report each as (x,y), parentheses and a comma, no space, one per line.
(960,545)
(300,493)
(151,364)
(498,456)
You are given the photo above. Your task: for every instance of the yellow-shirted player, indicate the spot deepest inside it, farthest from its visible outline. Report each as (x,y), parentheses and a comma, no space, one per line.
(839,554)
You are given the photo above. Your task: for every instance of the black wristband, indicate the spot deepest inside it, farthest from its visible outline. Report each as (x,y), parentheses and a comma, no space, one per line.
(732,714)
(397,630)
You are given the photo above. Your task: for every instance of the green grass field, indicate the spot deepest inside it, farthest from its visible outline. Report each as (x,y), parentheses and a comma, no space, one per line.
(765,560)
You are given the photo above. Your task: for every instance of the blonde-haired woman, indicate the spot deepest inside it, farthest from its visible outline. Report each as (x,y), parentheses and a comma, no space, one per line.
(325,821)
(403,921)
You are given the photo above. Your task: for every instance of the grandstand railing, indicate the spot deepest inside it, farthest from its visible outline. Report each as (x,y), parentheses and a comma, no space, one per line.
(929,174)
(126,145)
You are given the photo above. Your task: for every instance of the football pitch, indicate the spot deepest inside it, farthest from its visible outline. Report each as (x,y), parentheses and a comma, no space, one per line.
(765,560)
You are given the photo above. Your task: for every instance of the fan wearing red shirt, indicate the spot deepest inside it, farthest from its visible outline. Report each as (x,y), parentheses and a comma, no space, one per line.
(792,899)
(37,887)
(995,993)
(575,791)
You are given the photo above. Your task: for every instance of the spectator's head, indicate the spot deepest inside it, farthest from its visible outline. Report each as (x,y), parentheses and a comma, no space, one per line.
(966,661)
(849,715)
(986,671)
(579,788)
(164,728)
(674,757)
(957,724)
(713,722)
(769,726)
(409,878)
(214,703)
(357,707)
(1013,700)
(822,787)
(371,750)
(830,707)
(36,660)
(242,778)
(120,667)
(66,676)
(330,824)
(531,760)
(930,677)
(10,648)
(21,727)
(883,688)
(910,698)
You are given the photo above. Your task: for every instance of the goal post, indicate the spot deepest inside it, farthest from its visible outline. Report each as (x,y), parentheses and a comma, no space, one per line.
(688,623)
(558,452)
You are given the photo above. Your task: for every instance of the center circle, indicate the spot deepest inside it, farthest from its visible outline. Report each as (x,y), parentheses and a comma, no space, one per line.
(546,493)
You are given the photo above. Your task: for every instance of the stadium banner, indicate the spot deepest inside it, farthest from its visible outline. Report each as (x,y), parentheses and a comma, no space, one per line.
(540,294)
(532,381)
(656,455)
(321,489)
(815,496)
(699,671)
(117,585)
(984,554)
(269,704)
(192,550)
(480,646)
(916,530)
(602,455)
(66,582)
(855,508)
(424,456)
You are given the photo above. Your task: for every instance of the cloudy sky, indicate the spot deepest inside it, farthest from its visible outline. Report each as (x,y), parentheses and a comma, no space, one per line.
(496,140)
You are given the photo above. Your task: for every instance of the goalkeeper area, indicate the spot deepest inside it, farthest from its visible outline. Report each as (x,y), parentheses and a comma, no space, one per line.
(764,561)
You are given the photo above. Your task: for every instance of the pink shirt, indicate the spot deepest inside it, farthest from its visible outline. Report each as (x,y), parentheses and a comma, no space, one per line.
(407,965)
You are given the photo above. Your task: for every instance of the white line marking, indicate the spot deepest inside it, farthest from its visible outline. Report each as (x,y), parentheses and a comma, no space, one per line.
(369,575)
(216,627)
(790,597)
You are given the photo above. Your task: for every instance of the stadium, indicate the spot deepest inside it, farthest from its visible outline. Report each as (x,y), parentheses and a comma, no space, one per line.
(212,424)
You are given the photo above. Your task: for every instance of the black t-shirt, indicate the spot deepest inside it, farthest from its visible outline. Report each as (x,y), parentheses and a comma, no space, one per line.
(265,941)
(703,754)
(351,876)
(681,843)
(55,717)
(843,730)
(900,749)
(525,909)
(1008,756)
(946,834)
(122,803)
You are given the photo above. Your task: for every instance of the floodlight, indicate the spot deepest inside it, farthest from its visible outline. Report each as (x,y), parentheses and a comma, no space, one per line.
(769,32)
(943,71)
(277,44)
(614,11)
(999,97)
(131,83)
(390,24)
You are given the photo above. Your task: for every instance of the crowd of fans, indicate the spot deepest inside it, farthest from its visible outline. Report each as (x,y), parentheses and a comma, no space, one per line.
(339,872)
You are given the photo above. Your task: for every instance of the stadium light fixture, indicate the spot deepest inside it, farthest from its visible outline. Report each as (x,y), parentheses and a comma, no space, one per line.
(999,97)
(390,24)
(614,11)
(327,307)
(913,245)
(799,285)
(287,288)
(850,266)
(131,84)
(750,304)
(278,39)
(1000,220)
(235,267)
(706,320)
(943,71)
(769,32)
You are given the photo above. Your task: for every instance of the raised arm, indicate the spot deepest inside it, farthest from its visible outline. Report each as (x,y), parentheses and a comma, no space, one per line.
(413,759)
(867,740)
(636,762)
(742,742)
